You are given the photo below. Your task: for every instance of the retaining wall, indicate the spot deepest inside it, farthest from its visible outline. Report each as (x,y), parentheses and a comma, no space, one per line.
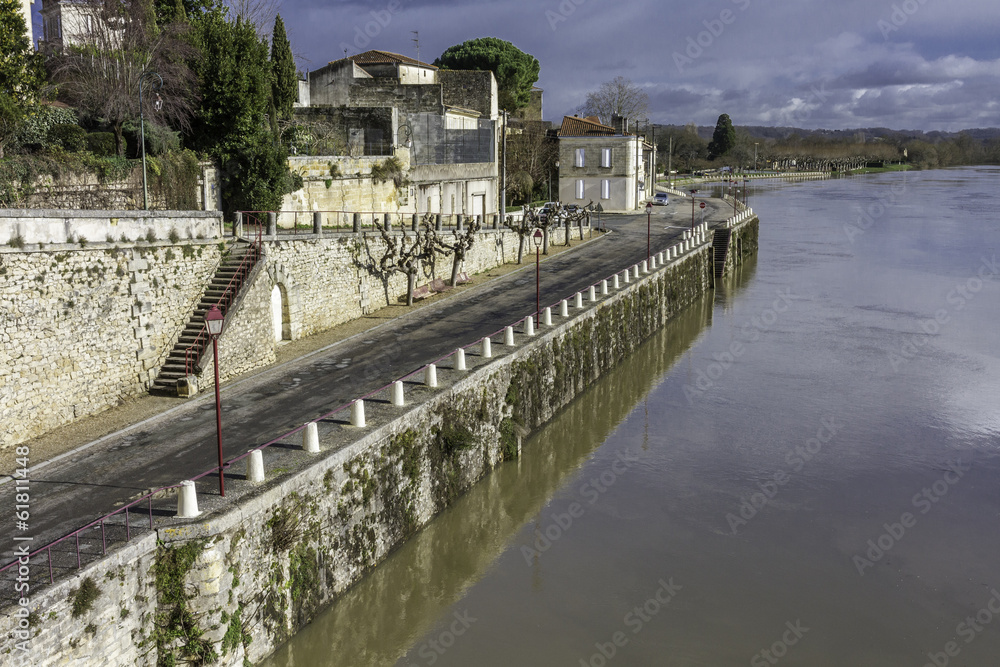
(34,226)
(83,328)
(236,582)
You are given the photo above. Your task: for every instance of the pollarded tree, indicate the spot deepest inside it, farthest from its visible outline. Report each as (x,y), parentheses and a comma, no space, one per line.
(284,83)
(723,139)
(515,70)
(618,97)
(459,246)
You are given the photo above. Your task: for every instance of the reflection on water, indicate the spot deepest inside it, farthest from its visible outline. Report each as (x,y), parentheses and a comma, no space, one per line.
(809,455)
(378,619)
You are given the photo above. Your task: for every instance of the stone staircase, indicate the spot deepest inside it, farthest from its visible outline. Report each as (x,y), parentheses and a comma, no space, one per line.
(720,248)
(225,286)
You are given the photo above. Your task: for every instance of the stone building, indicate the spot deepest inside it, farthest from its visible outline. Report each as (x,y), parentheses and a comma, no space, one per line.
(26,13)
(65,23)
(603,164)
(440,124)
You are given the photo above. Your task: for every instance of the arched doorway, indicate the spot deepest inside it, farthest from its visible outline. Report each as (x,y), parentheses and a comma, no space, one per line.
(279,314)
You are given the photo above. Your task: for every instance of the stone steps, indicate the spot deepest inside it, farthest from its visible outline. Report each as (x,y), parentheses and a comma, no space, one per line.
(192,343)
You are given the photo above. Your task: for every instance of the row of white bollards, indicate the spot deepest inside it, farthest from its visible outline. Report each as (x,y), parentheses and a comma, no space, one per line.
(187,500)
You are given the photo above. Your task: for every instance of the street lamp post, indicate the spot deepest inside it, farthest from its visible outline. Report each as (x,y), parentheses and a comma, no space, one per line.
(156,85)
(649,214)
(214,319)
(537,237)
(755,155)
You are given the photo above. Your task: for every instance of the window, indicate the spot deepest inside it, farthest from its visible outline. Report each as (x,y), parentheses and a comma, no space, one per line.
(579,157)
(579,188)
(606,188)
(605,157)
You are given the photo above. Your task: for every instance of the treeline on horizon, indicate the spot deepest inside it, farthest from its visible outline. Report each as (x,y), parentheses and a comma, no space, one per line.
(918,149)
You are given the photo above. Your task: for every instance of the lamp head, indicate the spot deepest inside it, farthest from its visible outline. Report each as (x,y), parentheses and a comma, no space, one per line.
(214,319)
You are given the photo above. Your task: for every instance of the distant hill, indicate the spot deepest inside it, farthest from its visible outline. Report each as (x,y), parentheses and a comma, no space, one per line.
(860,134)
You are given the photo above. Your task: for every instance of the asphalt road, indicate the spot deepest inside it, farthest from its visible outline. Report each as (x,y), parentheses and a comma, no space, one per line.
(99,478)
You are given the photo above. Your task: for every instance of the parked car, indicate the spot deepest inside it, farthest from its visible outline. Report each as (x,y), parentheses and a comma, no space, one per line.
(661,199)
(571,208)
(543,213)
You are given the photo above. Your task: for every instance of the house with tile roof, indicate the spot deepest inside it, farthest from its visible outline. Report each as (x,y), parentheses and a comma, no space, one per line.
(385,103)
(603,164)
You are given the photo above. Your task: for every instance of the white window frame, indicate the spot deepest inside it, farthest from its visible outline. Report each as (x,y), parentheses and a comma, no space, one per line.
(606,188)
(581,157)
(605,157)
(581,188)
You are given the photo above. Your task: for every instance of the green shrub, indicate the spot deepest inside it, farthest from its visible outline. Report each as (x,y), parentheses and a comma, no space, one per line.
(70,137)
(34,131)
(101,143)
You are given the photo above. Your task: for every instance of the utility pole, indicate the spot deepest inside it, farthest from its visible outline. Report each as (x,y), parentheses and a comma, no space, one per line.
(670,166)
(416,40)
(503,172)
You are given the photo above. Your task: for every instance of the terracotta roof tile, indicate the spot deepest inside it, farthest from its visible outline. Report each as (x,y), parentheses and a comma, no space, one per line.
(574,126)
(376,57)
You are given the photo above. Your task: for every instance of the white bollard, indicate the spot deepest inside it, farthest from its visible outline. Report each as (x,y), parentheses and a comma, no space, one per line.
(652,263)
(662,259)
(645,268)
(592,293)
(431,375)
(615,281)
(627,275)
(486,352)
(604,287)
(187,501)
(636,269)
(255,466)
(547,316)
(529,326)
(564,308)
(578,300)
(358,413)
(460,360)
(397,394)
(310,438)
(508,336)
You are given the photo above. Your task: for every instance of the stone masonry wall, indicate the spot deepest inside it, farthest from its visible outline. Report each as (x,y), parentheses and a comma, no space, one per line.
(237,582)
(82,329)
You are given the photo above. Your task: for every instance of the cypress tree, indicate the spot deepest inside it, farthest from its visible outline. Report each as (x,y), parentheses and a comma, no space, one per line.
(284,83)
(723,139)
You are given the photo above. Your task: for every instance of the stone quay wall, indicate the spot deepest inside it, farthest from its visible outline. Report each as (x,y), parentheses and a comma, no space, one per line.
(233,584)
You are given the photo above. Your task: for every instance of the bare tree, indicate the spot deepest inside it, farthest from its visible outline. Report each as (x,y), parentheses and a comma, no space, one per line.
(531,157)
(101,77)
(404,254)
(618,97)
(460,245)
(259,13)
(530,220)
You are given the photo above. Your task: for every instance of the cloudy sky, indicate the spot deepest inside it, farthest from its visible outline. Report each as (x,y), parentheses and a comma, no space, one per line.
(903,64)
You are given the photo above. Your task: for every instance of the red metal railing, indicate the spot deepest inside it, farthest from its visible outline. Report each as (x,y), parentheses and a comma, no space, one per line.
(254,231)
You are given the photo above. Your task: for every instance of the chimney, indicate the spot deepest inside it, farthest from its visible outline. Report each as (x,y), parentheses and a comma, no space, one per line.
(620,123)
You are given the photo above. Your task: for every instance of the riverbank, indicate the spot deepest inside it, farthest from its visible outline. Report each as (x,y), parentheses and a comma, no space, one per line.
(283,550)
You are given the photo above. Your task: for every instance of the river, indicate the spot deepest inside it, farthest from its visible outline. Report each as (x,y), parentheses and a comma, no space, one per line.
(802,469)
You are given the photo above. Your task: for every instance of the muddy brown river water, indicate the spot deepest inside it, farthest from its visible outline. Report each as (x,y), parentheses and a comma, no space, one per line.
(800,470)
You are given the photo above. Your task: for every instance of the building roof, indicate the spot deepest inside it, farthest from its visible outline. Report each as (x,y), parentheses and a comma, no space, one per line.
(376,57)
(574,126)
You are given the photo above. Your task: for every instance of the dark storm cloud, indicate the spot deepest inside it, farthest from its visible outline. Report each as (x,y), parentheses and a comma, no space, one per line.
(931,64)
